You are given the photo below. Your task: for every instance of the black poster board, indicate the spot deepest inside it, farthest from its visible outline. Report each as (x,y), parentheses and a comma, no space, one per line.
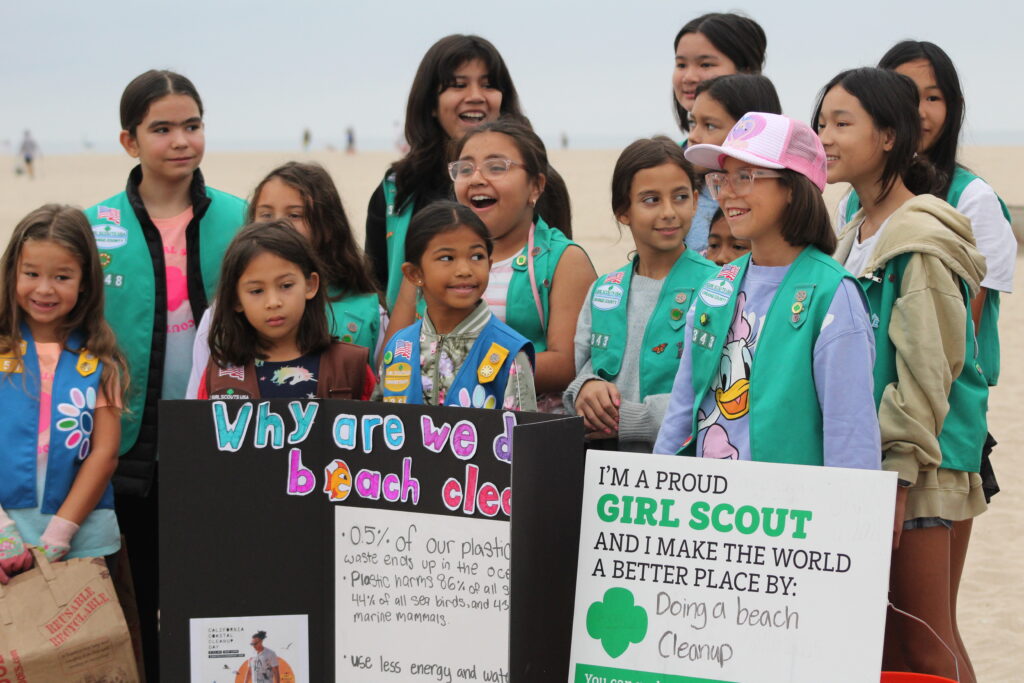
(246,527)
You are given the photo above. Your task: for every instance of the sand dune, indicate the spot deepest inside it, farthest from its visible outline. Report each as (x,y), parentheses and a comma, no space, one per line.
(992,596)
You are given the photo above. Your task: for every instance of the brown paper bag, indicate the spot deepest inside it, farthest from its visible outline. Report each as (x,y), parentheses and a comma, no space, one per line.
(61,623)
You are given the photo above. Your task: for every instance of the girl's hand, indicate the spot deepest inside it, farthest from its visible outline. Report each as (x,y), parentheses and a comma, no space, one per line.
(14,556)
(901,508)
(56,540)
(598,403)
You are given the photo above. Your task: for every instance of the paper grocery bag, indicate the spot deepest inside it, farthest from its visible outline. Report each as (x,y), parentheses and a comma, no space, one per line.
(61,623)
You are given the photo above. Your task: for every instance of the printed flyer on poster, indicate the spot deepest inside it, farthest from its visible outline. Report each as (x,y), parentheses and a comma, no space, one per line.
(693,569)
(223,651)
(420,597)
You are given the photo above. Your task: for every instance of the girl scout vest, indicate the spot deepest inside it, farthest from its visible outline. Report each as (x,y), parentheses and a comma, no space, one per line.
(665,332)
(131,253)
(76,384)
(963,432)
(355,319)
(785,418)
(342,374)
(397,224)
(988,331)
(485,369)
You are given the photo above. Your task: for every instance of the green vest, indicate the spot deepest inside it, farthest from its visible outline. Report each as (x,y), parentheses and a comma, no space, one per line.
(785,418)
(355,319)
(520,303)
(665,332)
(130,284)
(397,224)
(965,427)
(988,331)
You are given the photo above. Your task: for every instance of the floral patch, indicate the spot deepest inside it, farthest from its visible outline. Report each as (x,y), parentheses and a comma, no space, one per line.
(77,420)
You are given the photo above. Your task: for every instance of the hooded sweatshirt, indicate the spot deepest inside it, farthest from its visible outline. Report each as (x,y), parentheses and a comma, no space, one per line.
(929,317)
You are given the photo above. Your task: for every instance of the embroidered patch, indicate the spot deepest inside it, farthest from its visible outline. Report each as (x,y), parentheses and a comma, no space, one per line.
(235,372)
(77,420)
(110,236)
(397,377)
(87,364)
(716,293)
(614,278)
(660,348)
(493,360)
(394,399)
(403,349)
(112,280)
(703,339)
(729,272)
(109,213)
(8,363)
(607,297)
(599,341)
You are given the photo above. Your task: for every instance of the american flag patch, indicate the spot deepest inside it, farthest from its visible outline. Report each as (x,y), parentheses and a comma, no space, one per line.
(404,349)
(614,278)
(236,372)
(109,213)
(729,272)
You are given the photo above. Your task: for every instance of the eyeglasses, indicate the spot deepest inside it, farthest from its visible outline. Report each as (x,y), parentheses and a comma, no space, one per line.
(741,181)
(490,169)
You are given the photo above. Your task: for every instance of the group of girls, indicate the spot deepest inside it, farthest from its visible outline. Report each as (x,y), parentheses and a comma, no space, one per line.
(472,293)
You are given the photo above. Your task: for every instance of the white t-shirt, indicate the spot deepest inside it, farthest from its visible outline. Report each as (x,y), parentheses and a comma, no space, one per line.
(992,233)
(262,666)
(860,252)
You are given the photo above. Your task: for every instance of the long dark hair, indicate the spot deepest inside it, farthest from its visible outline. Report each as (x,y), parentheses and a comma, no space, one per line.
(891,100)
(805,220)
(345,266)
(68,227)
(642,154)
(942,153)
(742,93)
(739,38)
(233,340)
(423,168)
(553,205)
(149,87)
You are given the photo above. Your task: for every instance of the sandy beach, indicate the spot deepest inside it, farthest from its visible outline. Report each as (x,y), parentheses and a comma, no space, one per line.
(992,594)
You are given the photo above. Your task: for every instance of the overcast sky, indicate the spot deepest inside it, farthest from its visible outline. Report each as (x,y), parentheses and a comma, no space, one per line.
(598,70)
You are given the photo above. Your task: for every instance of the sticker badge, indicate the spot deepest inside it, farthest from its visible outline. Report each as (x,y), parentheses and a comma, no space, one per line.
(607,297)
(397,377)
(87,363)
(716,293)
(110,236)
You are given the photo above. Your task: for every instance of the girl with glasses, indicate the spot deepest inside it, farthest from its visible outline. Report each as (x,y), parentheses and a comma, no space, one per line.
(778,350)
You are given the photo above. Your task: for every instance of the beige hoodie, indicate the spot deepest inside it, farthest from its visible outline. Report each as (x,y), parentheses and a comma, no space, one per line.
(927,327)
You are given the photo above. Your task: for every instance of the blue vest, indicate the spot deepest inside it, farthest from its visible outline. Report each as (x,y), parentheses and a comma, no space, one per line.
(76,384)
(481,379)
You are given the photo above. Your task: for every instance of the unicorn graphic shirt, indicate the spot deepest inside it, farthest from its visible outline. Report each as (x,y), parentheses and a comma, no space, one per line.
(290,378)
(843,356)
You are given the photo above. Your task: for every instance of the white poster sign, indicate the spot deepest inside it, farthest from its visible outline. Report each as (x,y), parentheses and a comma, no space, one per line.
(694,569)
(223,649)
(420,597)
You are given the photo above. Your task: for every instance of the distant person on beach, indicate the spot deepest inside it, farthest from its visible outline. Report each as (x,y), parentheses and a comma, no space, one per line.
(263,665)
(350,140)
(307,138)
(915,257)
(29,150)
(712,45)
(161,242)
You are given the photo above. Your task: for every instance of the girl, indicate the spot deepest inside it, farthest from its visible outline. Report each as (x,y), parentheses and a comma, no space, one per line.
(156,287)
(305,195)
(459,354)
(269,337)
(723,246)
(630,336)
(461,83)
(916,259)
(777,359)
(539,278)
(719,104)
(61,375)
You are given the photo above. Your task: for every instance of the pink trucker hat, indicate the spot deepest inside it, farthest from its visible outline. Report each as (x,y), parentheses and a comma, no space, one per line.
(768,141)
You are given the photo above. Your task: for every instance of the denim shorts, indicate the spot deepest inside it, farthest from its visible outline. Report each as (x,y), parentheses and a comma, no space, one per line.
(926,523)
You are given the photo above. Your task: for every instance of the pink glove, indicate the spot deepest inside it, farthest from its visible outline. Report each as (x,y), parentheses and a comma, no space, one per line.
(14,556)
(56,540)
